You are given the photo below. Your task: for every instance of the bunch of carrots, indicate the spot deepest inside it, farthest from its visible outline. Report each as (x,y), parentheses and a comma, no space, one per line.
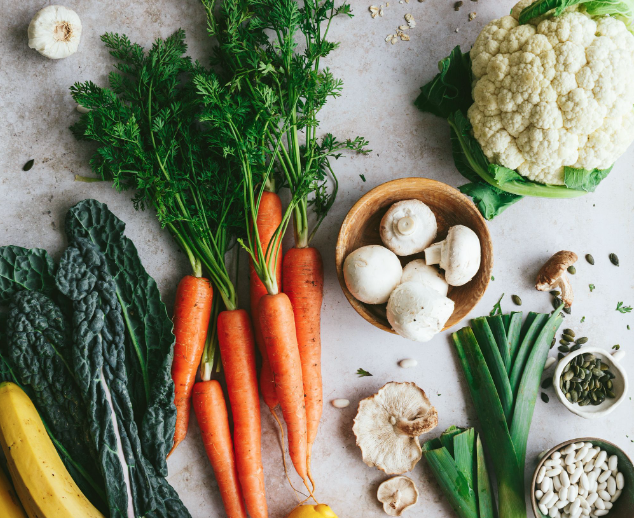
(206,150)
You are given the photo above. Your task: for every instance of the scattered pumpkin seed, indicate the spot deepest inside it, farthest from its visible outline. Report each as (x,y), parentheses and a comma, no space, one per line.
(555,293)
(552,344)
(569,332)
(572,270)
(560,356)
(582,340)
(547,383)
(28,165)
(516,299)
(563,349)
(568,337)
(563,341)
(616,347)
(567,310)
(575,347)
(590,259)
(557,302)
(545,397)
(614,259)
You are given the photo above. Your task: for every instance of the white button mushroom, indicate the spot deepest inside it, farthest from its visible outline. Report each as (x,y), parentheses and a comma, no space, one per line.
(418,271)
(397,494)
(408,227)
(417,312)
(388,424)
(371,273)
(458,255)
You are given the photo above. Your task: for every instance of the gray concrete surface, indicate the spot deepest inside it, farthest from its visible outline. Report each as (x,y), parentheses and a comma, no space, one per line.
(381,82)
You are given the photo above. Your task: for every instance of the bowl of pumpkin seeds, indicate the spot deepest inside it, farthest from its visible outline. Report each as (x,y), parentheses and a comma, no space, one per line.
(590,382)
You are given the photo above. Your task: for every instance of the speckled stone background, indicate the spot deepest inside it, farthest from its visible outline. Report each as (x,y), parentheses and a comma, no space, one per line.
(381,82)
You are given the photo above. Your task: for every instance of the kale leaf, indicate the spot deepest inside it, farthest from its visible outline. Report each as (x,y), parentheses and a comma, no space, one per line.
(25,269)
(98,356)
(150,347)
(36,356)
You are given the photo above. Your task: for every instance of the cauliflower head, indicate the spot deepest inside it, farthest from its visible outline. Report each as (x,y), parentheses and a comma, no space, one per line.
(553,93)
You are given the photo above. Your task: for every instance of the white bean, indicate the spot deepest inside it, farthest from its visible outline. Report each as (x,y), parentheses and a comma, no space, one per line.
(553,512)
(541,474)
(556,455)
(575,506)
(556,483)
(563,494)
(577,513)
(601,513)
(603,466)
(584,482)
(605,495)
(592,452)
(581,454)
(601,458)
(608,505)
(570,459)
(570,468)
(539,494)
(579,445)
(549,499)
(594,488)
(340,403)
(599,504)
(616,496)
(573,492)
(564,479)
(589,466)
(582,492)
(408,363)
(592,498)
(576,475)
(604,476)
(553,472)
(592,477)
(620,481)
(552,463)
(546,485)
(612,486)
(602,486)
(543,509)
(561,504)
(613,462)
(569,449)
(584,503)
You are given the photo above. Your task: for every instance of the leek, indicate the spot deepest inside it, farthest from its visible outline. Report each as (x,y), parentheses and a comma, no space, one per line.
(503,362)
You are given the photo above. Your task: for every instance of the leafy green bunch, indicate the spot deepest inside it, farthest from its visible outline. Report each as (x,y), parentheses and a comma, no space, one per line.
(269,54)
(150,140)
(448,95)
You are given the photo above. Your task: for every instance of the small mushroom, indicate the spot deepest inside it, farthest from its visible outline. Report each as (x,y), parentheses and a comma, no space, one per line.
(553,276)
(388,424)
(418,271)
(371,273)
(417,312)
(408,227)
(459,255)
(397,494)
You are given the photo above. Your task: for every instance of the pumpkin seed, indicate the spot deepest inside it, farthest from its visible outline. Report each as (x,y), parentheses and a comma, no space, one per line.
(516,299)
(594,397)
(552,344)
(584,402)
(555,293)
(568,396)
(598,373)
(567,386)
(590,259)
(582,340)
(568,338)
(604,367)
(610,394)
(586,365)
(557,302)
(569,332)
(560,356)
(564,342)
(547,383)
(588,357)
(575,347)
(574,396)
(564,348)
(609,384)
(545,397)
(575,379)
(614,259)
(567,310)
(28,165)
(572,270)
(567,368)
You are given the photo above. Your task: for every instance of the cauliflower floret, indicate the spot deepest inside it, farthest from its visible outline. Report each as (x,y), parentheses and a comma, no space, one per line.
(553,93)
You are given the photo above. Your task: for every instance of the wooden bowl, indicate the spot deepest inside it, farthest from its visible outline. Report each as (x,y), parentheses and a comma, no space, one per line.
(451,207)
(624,506)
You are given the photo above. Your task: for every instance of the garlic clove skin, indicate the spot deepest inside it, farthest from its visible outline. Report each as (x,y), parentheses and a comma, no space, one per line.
(55,32)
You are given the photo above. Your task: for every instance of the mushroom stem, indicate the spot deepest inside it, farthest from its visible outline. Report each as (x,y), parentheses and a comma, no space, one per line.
(396,499)
(406,226)
(566,290)
(433,253)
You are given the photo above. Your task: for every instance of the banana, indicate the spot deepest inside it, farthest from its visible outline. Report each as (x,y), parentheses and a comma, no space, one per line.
(41,480)
(10,506)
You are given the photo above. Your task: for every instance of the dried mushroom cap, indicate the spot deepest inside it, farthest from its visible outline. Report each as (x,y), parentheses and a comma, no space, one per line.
(553,275)
(397,494)
(388,424)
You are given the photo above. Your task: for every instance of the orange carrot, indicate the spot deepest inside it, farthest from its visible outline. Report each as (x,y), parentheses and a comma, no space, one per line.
(192,311)
(237,350)
(278,332)
(303,276)
(269,218)
(211,412)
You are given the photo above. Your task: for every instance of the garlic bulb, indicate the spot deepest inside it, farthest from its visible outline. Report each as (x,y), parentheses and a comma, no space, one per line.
(55,31)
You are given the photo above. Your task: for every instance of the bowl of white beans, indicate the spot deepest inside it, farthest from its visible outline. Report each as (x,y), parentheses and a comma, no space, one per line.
(585,477)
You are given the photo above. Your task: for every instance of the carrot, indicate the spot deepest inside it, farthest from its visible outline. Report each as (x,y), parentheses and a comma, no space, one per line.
(211,412)
(269,218)
(237,350)
(278,332)
(303,276)
(192,311)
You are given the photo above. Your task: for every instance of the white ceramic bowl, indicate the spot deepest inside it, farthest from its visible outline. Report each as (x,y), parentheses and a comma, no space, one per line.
(620,382)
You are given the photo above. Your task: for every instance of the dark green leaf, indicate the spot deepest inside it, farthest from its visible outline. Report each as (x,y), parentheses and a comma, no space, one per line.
(450,90)
(582,179)
(619,8)
(151,341)
(504,174)
(25,269)
(362,373)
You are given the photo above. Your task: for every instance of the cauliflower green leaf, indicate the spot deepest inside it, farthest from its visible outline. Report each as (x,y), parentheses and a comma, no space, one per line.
(623,9)
(583,179)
